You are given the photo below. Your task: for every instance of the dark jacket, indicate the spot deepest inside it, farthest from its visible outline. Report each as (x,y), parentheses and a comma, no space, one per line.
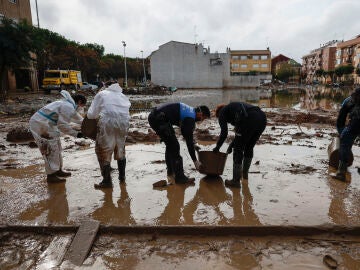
(187,124)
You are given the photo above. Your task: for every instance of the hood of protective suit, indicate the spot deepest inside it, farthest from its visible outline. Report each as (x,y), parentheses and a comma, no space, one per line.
(68,97)
(115,87)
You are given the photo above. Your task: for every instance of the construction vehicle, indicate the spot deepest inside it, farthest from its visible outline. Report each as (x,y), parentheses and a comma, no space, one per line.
(62,79)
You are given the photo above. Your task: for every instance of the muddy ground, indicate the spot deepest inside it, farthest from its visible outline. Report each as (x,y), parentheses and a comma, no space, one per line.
(289,184)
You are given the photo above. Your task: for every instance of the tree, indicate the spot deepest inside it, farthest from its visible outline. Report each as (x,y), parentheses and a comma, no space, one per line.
(285,72)
(331,73)
(344,70)
(319,72)
(339,71)
(358,71)
(15,47)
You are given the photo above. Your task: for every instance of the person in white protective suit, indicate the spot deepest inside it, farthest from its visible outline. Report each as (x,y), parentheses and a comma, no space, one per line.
(111,108)
(46,125)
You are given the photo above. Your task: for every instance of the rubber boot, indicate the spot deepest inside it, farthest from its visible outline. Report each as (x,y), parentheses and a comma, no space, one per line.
(121,166)
(106,182)
(169,169)
(237,174)
(54,178)
(341,172)
(246,167)
(180,177)
(62,173)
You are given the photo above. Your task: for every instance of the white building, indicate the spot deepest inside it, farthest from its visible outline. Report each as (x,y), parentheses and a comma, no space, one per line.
(186,65)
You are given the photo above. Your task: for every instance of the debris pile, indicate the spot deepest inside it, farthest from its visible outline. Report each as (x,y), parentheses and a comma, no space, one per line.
(18,134)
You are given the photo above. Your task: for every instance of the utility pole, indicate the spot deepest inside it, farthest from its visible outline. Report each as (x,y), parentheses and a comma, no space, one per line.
(37,13)
(142,56)
(124,44)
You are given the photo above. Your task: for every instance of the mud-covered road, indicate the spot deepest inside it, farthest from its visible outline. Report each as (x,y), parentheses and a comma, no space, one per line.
(289,184)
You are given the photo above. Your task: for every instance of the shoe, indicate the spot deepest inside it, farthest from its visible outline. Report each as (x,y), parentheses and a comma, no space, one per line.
(62,173)
(121,167)
(54,178)
(246,167)
(106,182)
(232,183)
(339,176)
(185,180)
(171,178)
(103,184)
(341,172)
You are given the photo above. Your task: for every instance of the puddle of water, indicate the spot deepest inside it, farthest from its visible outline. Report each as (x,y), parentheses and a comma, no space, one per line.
(305,98)
(281,191)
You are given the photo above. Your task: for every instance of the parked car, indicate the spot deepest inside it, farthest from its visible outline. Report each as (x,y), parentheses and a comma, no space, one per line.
(88,86)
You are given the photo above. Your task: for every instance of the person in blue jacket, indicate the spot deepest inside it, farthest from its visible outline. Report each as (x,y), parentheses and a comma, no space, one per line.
(348,133)
(162,119)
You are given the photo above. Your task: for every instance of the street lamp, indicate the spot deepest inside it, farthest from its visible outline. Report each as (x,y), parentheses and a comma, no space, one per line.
(37,14)
(124,44)
(142,56)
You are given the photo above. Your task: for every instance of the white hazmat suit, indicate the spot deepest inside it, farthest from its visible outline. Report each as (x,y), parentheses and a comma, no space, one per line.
(111,107)
(46,125)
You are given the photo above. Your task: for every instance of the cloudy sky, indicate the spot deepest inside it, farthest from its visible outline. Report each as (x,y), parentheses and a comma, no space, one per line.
(289,27)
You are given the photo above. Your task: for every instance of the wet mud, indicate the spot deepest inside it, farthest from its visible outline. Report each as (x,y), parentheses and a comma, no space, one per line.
(188,252)
(289,184)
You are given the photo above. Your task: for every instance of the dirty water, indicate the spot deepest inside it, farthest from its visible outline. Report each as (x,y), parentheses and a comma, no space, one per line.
(289,184)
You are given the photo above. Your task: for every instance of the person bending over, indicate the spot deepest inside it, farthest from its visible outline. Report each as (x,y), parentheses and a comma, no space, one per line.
(249,122)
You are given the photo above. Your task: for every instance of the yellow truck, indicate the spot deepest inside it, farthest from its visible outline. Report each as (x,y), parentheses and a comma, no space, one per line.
(62,79)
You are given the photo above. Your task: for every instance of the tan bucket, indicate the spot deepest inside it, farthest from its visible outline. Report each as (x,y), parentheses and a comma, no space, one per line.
(333,153)
(213,163)
(89,128)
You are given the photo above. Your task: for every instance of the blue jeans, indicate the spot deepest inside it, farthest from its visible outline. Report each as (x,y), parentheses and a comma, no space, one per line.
(347,139)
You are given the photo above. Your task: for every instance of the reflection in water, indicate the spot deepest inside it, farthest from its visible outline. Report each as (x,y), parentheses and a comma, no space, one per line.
(205,205)
(308,98)
(172,213)
(56,205)
(243,206)
(212,204)
(344,205)
(112,214)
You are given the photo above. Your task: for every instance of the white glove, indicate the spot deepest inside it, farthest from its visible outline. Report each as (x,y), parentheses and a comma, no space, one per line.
(197,164)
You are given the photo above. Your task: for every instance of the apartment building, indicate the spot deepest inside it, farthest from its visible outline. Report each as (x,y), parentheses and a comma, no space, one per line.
(250,62)
(348,53)
(22,78)
(320,58)
(16,9)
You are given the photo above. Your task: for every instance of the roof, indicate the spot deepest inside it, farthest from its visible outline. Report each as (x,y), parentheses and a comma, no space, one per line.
(349,43)
(250,51)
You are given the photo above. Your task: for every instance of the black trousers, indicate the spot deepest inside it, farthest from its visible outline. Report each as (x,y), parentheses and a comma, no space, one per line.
(248,132)
(166,132)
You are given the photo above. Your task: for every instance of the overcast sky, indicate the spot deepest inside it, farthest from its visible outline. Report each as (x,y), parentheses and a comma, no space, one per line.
(289,27)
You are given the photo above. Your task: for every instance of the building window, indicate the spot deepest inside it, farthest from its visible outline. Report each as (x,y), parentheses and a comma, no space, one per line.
(243,57)
(255,65)
(255,57)
(243,65)
(13,1)
(264,65)
(235,65)
(338,61)
(235,57)
(264,57)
